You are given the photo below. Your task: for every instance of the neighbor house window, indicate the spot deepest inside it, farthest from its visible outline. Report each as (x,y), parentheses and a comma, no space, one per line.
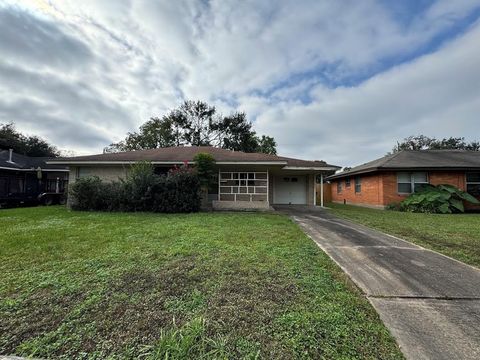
(409,182)
(358,184)
(347,182)
(339,187)
(473,183)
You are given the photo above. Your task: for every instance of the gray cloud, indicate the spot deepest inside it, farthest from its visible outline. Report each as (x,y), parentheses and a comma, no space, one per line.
(39,43)
(83,75)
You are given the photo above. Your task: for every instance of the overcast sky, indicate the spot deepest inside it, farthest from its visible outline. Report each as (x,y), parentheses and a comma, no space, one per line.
(333,80)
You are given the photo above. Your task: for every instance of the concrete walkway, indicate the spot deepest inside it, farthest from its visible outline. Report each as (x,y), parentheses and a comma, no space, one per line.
(429,302)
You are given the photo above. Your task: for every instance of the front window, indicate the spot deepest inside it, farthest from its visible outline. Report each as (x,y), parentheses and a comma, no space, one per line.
(347,182)
(358,184)
(339,187)
(473,183)
(409,182)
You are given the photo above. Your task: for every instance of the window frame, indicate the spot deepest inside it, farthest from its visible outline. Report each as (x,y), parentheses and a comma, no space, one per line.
(358,184)
(412,181)
(467,182)
(347,182)
(339,187)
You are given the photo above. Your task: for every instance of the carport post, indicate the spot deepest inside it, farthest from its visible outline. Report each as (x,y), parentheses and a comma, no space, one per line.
(321,189)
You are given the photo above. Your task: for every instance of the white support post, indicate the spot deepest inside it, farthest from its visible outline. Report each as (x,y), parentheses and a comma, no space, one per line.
(321,189)
(268,189)
(219,184)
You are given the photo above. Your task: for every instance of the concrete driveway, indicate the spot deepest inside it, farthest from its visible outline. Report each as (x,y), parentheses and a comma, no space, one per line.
(429,302)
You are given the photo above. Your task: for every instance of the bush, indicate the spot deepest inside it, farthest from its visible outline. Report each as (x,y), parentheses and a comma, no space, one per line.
(443,199)
(142,190)
(179,191)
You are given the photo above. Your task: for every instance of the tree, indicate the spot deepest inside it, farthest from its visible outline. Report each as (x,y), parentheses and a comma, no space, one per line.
(267,145)
(205,166)
(10,138)
(197,123)
(422,142)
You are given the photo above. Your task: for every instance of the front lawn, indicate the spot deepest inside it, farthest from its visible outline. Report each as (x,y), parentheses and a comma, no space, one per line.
(455,235)
(208,285)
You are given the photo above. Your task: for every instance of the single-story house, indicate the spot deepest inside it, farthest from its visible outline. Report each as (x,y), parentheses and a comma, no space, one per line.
(24,178)
(392,178)
(244,180)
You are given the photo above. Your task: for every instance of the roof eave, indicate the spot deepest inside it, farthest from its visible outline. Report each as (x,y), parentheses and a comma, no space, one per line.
(403,168)
(312,168)
(131,162)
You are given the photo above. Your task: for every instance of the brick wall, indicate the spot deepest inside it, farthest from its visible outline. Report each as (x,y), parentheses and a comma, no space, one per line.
(371,193)
(456,179)
(380,189)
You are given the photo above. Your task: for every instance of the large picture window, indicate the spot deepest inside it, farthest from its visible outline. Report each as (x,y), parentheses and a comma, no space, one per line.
(473,183)
(409,182)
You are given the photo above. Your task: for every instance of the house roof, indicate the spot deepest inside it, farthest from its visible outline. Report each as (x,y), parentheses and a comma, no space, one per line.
(418,160)
(23,162)
(181,154)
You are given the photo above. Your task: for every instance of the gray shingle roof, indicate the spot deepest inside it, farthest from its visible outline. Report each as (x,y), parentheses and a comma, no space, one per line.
(420,160)
(187,153)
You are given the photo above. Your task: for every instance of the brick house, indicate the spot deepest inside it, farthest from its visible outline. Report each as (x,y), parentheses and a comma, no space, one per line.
(392,178)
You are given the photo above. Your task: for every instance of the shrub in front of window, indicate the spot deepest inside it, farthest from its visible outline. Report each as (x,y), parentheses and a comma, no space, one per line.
(178,191)
(142,190)
(442,199)
(89,193)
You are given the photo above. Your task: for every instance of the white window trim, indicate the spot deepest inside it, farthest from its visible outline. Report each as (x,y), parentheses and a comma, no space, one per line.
(255,187)
(355,183)
(412,181)
(470,182)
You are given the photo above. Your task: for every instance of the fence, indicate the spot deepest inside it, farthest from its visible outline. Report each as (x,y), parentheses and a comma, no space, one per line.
(327,193)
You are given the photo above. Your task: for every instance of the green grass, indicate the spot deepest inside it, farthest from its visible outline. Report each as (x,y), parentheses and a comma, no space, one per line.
(208,285)
(455,235)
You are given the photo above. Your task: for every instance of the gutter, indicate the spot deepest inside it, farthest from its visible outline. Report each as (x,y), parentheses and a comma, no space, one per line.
(32,169)
(313,168)
(131,162)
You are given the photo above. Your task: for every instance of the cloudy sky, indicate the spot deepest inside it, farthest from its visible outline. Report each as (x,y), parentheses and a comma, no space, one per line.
(333,80)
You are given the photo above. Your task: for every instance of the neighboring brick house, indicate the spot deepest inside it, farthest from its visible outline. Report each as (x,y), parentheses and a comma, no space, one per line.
(243,181)
(392,178)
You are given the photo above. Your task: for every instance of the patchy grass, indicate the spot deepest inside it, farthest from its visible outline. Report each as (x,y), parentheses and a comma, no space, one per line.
(216,285)
(455,235)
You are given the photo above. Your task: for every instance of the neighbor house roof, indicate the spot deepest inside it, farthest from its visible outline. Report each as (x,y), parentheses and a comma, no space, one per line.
(418,160)
(181,154)
(22,162)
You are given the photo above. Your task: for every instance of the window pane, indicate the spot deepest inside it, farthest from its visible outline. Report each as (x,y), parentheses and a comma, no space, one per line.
(358,187)
(403,177)
(473,189)
(420,177)
(419,187)
(473,177)
(404,188)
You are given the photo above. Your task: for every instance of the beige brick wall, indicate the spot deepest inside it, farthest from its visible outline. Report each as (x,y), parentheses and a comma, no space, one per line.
(105,173)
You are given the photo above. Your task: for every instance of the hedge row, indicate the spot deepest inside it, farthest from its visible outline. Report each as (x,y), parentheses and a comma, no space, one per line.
(142,190)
